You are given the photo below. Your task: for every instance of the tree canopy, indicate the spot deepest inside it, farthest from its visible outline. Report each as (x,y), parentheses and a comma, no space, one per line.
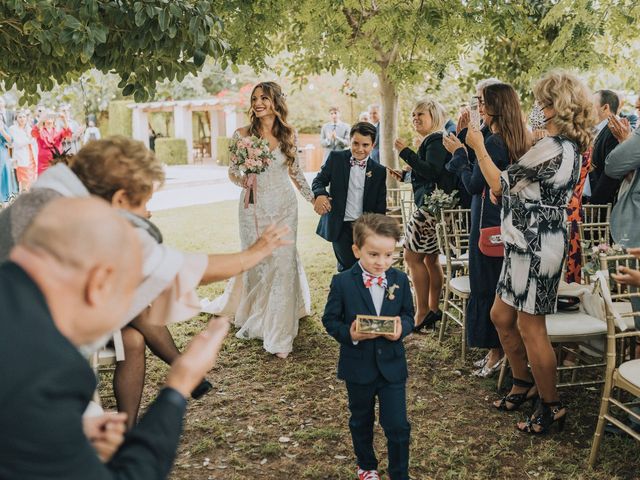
(43,41)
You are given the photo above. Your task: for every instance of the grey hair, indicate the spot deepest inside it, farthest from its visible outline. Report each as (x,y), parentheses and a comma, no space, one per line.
(482,84)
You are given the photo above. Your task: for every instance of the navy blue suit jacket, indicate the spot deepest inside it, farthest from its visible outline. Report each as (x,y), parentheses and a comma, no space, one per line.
(335,173)
(364,362)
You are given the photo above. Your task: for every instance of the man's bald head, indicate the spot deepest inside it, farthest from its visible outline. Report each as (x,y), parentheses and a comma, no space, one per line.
(79,232)
(86,260)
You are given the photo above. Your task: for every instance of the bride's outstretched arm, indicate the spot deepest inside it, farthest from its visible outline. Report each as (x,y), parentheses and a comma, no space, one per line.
(298,179)
(223,266)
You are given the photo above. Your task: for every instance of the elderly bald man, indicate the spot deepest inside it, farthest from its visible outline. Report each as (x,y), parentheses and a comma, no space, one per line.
(68,283)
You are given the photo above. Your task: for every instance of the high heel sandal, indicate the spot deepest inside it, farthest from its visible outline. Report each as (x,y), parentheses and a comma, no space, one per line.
(430,321)
(517,399)
(544,417)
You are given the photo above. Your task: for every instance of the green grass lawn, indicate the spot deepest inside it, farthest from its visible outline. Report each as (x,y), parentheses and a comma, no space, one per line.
(259,400)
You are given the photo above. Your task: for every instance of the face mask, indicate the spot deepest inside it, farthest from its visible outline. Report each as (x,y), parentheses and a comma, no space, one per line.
(537,119)
(90,348)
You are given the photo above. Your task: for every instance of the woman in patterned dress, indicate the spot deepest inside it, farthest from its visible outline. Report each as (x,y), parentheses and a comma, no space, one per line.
(536,191)
(421,243)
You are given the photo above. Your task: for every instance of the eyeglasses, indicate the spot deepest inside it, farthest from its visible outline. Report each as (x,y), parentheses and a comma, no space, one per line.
(480,100)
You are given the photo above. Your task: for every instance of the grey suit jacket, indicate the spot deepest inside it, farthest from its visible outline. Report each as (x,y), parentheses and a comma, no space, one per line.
(625,216)
(341,142)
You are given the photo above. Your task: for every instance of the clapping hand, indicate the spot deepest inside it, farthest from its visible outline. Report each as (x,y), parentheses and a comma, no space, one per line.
(451,143)
(322,204)
(620,128)
(188,370)
(399,144)
(105,433)
(463,120)
(475,140)
(626,275)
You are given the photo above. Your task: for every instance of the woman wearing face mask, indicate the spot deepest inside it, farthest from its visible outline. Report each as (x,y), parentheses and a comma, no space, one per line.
(507,140)
(267,301)
(536,190)
(421,245)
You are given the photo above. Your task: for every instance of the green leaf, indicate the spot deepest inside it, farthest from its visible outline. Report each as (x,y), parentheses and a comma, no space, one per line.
(128,90)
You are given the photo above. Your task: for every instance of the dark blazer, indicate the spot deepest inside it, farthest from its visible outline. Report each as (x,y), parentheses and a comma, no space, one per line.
(335,174)
(603,187)
(45,386)
(364,362)
(427,168)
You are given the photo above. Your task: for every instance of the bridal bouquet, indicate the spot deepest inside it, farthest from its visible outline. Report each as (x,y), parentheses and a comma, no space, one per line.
(440,200)
(252,156)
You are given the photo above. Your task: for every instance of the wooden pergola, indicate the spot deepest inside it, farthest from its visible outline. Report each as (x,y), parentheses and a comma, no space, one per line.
(224,117)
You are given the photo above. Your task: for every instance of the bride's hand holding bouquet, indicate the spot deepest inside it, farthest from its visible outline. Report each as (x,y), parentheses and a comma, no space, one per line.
(253,156)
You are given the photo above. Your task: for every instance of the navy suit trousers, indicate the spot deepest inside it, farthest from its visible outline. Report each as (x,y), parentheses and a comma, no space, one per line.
(393,418)
(342,248)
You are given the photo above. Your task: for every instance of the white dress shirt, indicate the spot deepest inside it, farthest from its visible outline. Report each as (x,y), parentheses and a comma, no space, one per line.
(355,193)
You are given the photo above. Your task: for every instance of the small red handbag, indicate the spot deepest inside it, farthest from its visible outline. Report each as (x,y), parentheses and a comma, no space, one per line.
(490,242)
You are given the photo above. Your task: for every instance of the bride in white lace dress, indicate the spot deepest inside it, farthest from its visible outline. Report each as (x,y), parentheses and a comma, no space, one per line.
(268,300)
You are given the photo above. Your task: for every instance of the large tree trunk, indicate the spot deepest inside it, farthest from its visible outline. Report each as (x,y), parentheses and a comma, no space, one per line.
(388,121)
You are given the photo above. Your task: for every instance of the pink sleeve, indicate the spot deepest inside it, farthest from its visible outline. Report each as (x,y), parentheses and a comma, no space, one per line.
(35,132)
(179,301)
(64,133)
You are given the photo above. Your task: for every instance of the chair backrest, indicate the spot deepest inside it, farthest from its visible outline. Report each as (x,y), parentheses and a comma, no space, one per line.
(454,232)
(609,264)
(596,213)
(407,207)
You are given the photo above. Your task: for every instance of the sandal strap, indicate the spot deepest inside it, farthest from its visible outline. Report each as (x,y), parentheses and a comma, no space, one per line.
(522,383)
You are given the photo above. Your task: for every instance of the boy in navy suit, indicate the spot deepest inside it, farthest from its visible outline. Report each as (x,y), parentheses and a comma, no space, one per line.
(373,365)
(357,185)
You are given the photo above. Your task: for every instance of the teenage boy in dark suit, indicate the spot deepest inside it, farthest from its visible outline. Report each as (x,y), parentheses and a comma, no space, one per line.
(356,184)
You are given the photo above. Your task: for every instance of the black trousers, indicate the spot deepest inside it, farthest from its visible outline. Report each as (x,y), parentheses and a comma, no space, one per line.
(342,247)
(393,418)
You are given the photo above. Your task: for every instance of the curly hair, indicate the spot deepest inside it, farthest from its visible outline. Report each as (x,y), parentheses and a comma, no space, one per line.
(502,105)
(118,163)
(571,99)
(283,132)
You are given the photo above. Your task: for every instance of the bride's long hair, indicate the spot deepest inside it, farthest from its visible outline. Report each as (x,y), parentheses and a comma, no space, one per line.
(283,132)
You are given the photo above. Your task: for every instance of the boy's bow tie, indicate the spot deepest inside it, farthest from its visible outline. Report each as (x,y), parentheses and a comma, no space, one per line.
(369,280)
(360,163)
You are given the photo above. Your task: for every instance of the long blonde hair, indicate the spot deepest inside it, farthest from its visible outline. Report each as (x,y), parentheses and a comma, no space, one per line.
(571,99)
(435,110)
(283,132)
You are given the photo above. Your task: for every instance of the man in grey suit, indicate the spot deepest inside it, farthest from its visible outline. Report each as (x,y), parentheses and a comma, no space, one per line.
(334,135)
(374,117)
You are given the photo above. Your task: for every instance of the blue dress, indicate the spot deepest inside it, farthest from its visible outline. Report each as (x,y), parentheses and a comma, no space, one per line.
(8,185)
(484,271)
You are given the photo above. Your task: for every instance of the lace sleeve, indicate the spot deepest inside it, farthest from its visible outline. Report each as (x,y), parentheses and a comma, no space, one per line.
(234,172)
(297,176)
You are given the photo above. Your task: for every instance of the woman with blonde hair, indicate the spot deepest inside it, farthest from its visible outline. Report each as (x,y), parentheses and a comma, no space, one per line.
(535,192)
(427,173)
(267,301)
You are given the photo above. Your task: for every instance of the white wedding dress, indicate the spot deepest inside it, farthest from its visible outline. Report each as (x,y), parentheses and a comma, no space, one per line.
(268,300)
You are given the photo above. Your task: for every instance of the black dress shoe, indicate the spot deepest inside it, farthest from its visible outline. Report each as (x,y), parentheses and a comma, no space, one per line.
(429,321)
(202,389)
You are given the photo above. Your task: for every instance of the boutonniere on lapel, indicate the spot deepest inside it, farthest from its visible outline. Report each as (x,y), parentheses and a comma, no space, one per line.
(391,291)
(369,173)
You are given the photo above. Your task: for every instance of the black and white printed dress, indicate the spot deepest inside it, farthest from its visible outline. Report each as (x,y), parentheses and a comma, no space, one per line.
(535,193)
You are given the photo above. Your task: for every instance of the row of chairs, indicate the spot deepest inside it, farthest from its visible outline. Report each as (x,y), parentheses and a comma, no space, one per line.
(600,341)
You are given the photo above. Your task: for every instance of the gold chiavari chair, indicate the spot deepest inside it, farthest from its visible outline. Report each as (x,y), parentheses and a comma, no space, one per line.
(622,372)
(454,234)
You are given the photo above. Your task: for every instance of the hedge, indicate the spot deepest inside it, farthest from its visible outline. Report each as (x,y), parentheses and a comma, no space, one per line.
(171,151)
(120,118)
